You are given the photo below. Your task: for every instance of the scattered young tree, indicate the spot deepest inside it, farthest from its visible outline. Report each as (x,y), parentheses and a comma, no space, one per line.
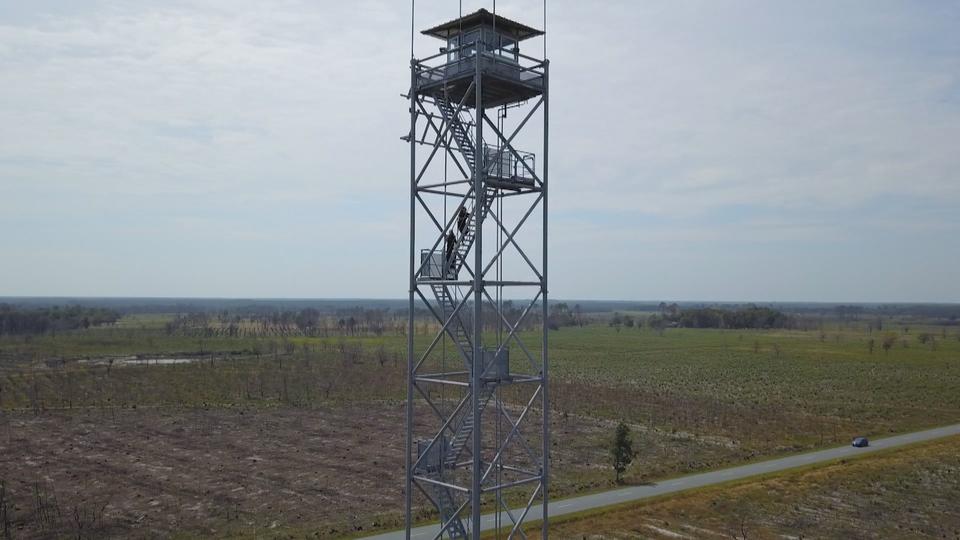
(561,315)
(622,451)
(888,342)
(657,323)
(616,321)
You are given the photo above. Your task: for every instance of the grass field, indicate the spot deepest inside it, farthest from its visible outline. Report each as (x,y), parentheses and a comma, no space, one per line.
(696,400)
(763,391)
(909,493)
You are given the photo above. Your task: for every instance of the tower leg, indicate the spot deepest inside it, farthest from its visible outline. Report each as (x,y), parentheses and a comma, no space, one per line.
(545,473)
(479,193)
(408,441)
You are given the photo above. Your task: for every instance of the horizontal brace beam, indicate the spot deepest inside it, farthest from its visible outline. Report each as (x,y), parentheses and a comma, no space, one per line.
(524,191)
(439,483)
(512,484)
(443,282)
(521,471)
(445,374)
(486,283)
(524,380)
(440,381)
(448,184)
(446,193)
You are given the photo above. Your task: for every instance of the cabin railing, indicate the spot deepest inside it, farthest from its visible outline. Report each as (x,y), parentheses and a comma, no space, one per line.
(525,69)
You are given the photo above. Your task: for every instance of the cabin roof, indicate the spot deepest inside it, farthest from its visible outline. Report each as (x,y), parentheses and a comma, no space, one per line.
(447,30)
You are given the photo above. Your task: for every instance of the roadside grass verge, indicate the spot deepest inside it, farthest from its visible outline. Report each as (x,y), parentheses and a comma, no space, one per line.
(905,491)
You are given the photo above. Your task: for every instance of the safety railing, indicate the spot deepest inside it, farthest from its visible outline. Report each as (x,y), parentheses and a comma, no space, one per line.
(433,461)
(435,263)
(506,62)
(501,163)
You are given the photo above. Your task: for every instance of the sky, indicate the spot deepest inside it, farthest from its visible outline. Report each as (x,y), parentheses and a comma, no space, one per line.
(716,151)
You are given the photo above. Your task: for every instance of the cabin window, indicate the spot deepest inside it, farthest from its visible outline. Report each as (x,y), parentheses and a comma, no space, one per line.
(469,41)
(452,44)
(508,48)
(503,45)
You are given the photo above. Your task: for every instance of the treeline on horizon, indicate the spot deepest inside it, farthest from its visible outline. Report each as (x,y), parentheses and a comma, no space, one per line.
(352,321)
(308,321)
(359,317)
(672,315)
(750,317)
(240,306)
(16,320)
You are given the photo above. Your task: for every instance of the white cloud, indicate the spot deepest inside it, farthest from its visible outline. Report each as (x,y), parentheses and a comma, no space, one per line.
(241,120)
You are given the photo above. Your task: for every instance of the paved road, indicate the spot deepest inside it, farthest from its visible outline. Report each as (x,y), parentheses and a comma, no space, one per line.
(638,493)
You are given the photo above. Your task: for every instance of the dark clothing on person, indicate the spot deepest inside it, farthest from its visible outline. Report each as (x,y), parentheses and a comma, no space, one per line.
(451,245)
(462,217)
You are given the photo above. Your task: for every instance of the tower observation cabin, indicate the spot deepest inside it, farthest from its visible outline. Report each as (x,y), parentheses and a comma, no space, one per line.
(477,424)
(494,42)
(486,45)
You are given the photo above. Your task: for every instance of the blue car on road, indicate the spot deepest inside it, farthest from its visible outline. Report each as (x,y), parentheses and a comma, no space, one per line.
(861,442)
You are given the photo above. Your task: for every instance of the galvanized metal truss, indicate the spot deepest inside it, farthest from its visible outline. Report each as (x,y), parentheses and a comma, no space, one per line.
(477,431)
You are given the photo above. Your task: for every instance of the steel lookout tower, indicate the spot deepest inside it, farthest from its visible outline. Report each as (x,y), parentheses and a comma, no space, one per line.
(477,424)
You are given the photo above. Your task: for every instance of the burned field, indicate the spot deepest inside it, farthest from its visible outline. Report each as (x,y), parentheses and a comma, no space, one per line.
(326,470)
(278,434)
(151,472)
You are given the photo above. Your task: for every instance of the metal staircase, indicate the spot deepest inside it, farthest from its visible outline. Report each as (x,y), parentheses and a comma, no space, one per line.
(446,499)
(460,132)
(446,504)
(443,497)
(465,428)
(458,330)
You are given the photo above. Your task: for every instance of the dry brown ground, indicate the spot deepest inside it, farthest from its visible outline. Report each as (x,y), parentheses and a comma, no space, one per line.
(154,472)
(324,471)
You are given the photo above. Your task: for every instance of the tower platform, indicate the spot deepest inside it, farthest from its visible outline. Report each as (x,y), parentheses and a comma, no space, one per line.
(493,41)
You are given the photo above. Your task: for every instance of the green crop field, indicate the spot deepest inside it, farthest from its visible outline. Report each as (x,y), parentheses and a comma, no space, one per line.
(765,389)
(696,399)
